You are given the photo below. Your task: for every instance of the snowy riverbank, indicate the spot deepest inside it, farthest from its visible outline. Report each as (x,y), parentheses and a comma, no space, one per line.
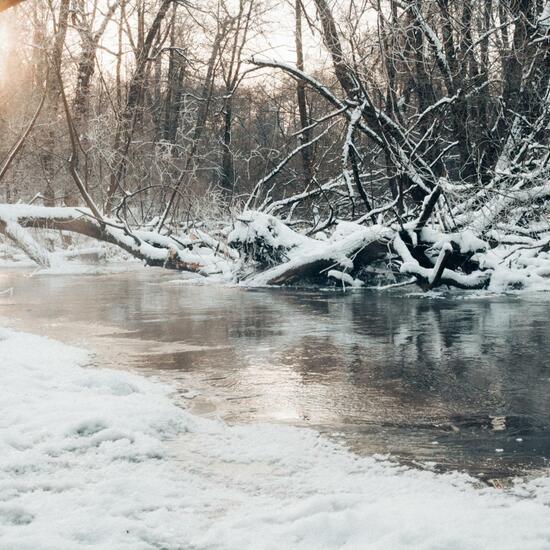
(257,249)
(93,458)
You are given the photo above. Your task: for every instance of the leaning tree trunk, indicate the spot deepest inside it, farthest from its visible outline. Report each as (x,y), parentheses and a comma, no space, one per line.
(148,246)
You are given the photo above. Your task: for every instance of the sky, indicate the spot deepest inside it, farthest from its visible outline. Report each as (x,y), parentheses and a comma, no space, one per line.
(276,42)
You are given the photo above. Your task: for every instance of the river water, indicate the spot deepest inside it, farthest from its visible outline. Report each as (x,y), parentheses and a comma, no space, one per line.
(445,382)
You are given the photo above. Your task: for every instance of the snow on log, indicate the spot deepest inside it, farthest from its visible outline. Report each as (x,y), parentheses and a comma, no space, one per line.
(23,240)
(429,277)
(288,257)
(216,245)
(312,258)
(492,211)
(264,239)
(465,241)
(428,206)
(154,249)
(344,278)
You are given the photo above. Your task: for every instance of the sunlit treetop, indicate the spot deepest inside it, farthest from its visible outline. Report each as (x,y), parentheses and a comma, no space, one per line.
(5,4)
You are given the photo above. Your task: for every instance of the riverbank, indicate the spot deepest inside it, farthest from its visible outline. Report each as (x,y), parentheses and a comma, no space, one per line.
(257,249)
(94,458)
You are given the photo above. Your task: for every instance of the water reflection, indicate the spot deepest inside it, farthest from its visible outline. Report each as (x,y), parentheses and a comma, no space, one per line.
(463,383)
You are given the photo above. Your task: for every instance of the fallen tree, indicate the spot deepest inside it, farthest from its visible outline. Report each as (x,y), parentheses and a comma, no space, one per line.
(152,248)
(285,257)
(265,240)
(263,251)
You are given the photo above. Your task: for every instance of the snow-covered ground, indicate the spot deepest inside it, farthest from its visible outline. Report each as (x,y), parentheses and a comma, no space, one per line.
(99,459)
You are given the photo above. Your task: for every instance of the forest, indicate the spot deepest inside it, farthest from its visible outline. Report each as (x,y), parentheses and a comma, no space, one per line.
(394,141)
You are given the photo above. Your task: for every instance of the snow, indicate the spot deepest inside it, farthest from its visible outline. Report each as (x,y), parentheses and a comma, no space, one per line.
(345,278)
(355,117)
(518,268)
(348,239)
(17,211)
(26,243)
(436,43)
(466,240)
(100,459)
(411,266)
(147,245)
(252,225)
(516,259)
(544,19)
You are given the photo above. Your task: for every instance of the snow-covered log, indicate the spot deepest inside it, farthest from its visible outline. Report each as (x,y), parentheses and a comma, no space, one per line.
(291,257)
(348,254)
(154,249)
(264,239)
(286,257)
(264,251)
(24,240)
(443,269)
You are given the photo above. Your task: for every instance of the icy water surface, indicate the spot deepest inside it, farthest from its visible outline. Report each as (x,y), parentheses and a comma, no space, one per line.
(451,383)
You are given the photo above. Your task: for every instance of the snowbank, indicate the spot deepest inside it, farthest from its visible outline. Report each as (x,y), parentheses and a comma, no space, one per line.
(92,458)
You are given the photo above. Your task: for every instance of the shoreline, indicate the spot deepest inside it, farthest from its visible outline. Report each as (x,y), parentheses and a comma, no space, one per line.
(97,443)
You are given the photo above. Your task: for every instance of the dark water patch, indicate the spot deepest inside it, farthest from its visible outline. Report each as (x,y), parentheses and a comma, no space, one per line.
(453,382)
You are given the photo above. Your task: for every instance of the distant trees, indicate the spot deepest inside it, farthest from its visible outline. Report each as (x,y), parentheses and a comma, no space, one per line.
(446,90)
(157,103)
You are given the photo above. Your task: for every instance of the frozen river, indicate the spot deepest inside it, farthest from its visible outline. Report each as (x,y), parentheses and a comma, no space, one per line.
(446,382)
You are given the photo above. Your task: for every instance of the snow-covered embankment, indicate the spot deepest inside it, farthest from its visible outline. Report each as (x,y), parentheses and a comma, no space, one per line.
(93,458)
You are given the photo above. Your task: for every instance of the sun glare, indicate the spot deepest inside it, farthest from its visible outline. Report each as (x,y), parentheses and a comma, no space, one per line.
(4,35)
(5,44)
